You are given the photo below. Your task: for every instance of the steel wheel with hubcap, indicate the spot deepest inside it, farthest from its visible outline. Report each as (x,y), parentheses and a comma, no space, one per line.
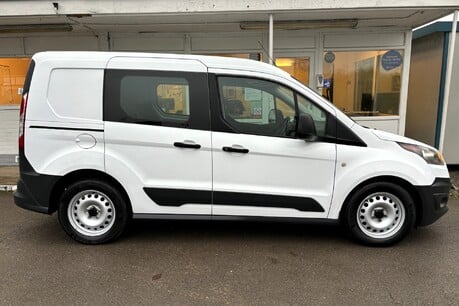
(92,211)
(379,214)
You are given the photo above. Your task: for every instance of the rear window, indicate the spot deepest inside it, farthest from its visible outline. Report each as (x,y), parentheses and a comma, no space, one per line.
(164,98)
(155,99)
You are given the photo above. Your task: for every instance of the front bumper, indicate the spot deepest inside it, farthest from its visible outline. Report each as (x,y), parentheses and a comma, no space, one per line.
(434,200)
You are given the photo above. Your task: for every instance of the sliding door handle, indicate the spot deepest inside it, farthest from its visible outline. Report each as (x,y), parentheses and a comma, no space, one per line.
(235,149)
(187,145)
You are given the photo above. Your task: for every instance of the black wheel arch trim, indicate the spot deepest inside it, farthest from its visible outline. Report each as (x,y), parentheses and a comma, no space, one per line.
(83,174)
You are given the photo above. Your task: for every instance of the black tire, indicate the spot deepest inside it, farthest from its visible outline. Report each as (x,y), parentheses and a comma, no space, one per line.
(102,206)
(375,205)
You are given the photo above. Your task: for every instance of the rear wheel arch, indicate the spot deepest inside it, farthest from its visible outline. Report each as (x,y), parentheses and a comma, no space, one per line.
(84,174)
(387,179)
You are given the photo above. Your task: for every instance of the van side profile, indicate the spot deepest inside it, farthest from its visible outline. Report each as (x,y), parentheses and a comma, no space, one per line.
(106,137)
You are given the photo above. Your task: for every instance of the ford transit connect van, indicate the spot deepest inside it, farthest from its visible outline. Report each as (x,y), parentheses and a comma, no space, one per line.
(106,137)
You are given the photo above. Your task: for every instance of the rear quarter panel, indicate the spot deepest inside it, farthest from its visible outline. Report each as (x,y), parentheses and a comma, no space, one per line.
(65,102)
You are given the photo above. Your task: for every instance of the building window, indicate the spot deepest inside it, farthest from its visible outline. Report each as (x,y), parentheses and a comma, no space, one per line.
(363,83)
(12,75)
(298,67)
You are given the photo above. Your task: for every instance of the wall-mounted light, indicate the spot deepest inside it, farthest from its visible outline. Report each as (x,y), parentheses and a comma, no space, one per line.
(284,62)
(32,28)
(300,24)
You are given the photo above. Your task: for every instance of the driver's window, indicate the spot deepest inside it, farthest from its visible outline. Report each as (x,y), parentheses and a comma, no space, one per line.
(318,115)
(255,106)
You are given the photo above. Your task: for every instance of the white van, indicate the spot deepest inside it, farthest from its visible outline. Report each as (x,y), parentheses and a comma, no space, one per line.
(105,137)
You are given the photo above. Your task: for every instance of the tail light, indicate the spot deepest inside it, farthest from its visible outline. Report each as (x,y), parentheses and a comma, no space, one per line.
(22,114)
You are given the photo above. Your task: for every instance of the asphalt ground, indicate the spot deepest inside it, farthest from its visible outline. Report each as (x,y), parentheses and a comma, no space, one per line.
(172,262)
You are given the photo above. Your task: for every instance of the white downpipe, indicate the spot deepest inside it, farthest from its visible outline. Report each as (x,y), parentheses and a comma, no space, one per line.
(270,40)
(405,83)
(449,70)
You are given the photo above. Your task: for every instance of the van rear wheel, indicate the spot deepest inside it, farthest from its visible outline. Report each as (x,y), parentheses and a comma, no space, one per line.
(92,212)
(380,214)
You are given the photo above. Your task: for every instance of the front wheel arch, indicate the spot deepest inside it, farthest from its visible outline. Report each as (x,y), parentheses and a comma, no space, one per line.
(387,179)
(379,214)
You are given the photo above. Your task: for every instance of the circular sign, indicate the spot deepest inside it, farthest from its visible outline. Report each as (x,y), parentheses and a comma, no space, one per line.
(391,59)
(329,57)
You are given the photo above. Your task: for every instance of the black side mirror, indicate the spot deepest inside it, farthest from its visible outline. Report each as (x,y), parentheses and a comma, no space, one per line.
(306,128)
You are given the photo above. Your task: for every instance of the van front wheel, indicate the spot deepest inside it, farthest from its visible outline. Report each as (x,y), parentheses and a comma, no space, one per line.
(380,214)
(92,212)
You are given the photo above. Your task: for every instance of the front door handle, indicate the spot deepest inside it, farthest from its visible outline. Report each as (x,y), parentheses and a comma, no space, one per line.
(235,149)
(187,145)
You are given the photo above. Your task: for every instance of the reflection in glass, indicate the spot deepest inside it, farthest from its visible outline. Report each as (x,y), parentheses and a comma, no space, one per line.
(12,76)
(364,83)
(298,67)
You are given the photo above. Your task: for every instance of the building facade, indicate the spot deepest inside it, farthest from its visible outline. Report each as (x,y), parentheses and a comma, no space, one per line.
(426,93)
(356,54)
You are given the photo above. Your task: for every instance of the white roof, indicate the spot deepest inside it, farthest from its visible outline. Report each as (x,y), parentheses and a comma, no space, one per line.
(100,59)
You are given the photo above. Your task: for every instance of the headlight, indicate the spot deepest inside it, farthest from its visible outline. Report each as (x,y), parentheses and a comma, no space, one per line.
(431,156)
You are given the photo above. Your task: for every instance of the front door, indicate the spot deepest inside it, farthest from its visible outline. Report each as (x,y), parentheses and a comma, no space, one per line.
(260,168)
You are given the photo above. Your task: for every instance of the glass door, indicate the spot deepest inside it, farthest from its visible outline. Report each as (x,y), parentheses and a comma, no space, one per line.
(299,65)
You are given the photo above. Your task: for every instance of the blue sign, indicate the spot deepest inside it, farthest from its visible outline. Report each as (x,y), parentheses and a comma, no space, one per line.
(391,59)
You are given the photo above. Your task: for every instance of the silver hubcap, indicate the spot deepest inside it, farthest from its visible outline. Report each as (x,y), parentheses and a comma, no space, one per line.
(381,215)
(91,213)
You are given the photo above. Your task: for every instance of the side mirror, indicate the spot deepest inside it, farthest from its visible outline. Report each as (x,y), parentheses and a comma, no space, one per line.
(306,128)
